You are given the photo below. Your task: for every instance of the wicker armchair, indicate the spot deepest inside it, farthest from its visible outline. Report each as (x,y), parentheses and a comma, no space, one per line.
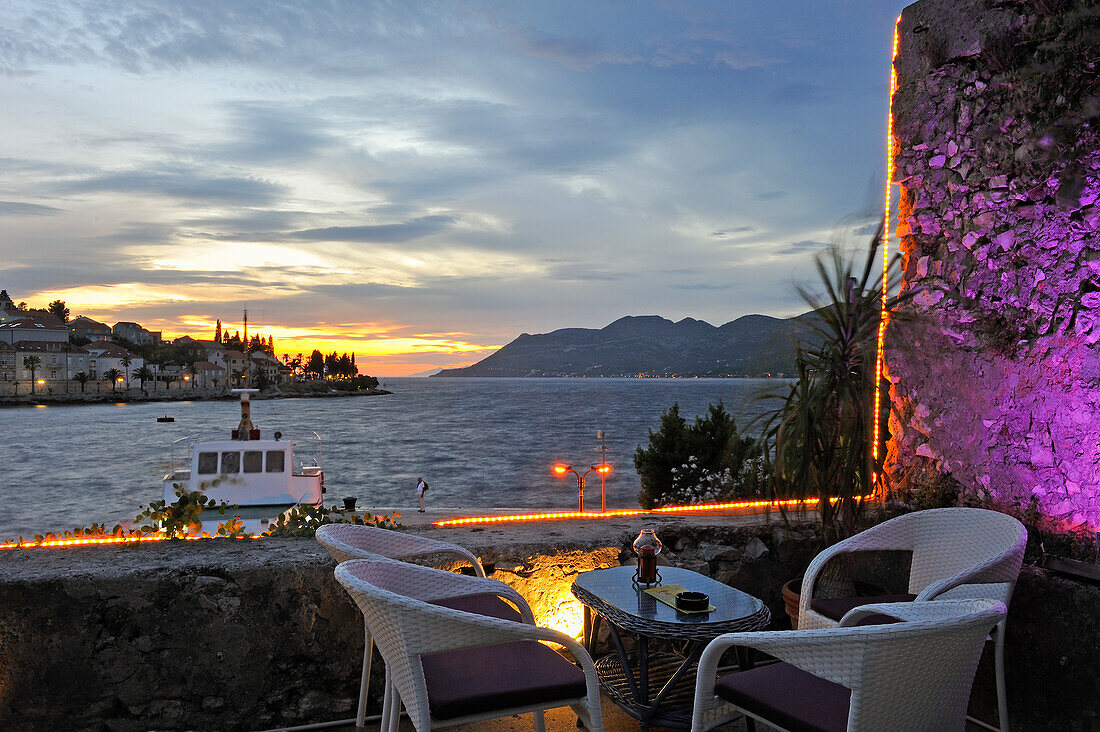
(352,541)
(957,553)
(432,652)
(910,675)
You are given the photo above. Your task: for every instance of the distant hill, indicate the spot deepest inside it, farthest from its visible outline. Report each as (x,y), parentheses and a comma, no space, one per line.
(752,345)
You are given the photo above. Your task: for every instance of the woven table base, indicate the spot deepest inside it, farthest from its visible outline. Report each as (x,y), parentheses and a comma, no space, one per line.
(675,706)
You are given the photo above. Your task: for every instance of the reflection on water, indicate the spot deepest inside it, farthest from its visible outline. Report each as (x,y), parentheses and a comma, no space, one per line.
(478,443)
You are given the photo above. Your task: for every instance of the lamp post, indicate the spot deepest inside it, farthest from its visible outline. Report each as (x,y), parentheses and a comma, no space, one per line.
(560,469)
(603,449)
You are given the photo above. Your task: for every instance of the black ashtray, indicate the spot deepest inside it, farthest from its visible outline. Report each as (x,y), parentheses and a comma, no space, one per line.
(692,601)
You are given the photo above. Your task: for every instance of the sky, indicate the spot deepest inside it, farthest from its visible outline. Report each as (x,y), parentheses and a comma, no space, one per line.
(421,182)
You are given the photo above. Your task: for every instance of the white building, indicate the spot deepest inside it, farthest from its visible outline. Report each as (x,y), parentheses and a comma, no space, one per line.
(106,356)
(35,327)
(56,362)
(136,334)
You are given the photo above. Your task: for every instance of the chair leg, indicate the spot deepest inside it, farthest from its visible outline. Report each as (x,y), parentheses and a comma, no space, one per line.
(540,721)
(387,702)
(999,662)
(395,711)
(364,682)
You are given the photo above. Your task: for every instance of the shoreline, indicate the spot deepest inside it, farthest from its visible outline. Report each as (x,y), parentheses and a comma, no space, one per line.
(41,400)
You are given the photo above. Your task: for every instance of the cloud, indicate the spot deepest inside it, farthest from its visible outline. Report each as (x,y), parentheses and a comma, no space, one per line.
(732,231)
(16,208)
(272,133)
(379,233)
(801,247)
(576,53)
(182,183)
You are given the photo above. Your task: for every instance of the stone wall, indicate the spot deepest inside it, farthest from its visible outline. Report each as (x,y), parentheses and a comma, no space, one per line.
(253,635)
(996,372)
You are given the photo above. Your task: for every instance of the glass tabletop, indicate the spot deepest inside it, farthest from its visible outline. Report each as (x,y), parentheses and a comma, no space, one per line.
(614,587)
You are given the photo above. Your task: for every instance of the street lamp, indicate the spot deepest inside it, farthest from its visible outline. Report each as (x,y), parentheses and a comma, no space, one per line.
(560,469)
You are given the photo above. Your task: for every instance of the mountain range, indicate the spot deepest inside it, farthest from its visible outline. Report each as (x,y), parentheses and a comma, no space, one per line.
(649,345)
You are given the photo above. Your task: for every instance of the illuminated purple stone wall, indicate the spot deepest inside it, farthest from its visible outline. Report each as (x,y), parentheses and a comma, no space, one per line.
(996,376)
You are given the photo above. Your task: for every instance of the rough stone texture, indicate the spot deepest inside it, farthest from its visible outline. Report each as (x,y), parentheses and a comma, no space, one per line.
(256,634)
(996,374)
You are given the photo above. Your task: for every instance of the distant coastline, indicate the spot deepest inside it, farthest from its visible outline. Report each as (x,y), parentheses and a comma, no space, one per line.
(649,346)
(107,397)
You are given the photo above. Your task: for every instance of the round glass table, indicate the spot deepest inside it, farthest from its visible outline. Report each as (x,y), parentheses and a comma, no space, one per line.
(657,688)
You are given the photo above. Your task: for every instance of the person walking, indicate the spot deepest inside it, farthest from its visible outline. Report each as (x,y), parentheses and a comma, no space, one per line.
(421,488)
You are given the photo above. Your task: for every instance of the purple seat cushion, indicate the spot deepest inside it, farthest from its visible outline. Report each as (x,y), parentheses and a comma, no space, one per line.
(486,604)
(836,608)
(789,697)
(494,678)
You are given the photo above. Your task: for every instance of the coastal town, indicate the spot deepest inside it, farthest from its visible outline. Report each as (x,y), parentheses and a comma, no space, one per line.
(44,353)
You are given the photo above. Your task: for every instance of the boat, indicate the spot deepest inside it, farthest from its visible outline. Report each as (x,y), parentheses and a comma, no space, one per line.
(166,418)
(265,473)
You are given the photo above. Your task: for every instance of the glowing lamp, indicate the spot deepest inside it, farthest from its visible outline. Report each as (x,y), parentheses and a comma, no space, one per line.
(647,546)
(561,468)
(41,382)
(120,379)
(603,469)
(186,378)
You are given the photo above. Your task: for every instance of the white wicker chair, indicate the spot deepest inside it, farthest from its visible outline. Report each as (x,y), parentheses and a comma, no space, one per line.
(909,675)
(352,541)
(957,553)
(418,640)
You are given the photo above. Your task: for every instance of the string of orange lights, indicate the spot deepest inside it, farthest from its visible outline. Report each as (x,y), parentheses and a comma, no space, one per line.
(880,355)
(619,512)
(99,540)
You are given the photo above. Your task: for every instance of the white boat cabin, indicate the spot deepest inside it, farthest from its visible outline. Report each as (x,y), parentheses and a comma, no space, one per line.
(252,471)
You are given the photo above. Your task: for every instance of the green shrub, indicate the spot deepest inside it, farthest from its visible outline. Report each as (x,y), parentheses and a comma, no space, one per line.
(698,463)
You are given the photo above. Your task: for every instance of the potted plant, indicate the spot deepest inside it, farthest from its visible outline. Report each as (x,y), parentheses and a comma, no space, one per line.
(821,434)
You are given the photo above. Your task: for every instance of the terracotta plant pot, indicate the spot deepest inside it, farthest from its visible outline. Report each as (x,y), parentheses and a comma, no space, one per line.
(792,590)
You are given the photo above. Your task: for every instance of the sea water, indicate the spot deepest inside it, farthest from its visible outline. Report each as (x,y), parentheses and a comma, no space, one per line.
(478,442)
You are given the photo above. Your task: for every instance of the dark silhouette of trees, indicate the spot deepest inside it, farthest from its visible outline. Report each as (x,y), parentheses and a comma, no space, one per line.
(112,375)
(32,363)
(58,310)
(81,378)
(143,374)
(316,365)
(218,332)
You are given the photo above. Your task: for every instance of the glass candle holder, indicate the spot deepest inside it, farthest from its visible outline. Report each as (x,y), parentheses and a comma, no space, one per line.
(647,546)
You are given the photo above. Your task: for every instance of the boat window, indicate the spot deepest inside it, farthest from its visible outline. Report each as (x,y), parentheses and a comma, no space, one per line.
(253,461)
(231,462)
(208,463)
(276,461)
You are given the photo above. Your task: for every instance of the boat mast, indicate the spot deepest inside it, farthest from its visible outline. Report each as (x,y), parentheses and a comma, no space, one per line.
(247,360)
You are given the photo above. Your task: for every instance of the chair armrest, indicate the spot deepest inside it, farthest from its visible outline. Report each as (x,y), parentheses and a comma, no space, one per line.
(1003,568)
(869,540)
(918,611)
(429,584)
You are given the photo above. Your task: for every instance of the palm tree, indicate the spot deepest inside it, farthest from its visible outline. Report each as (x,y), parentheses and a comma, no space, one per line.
(112,375)
(823,431)
(81,378)
(126,361)
(143,374)
(32,363)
